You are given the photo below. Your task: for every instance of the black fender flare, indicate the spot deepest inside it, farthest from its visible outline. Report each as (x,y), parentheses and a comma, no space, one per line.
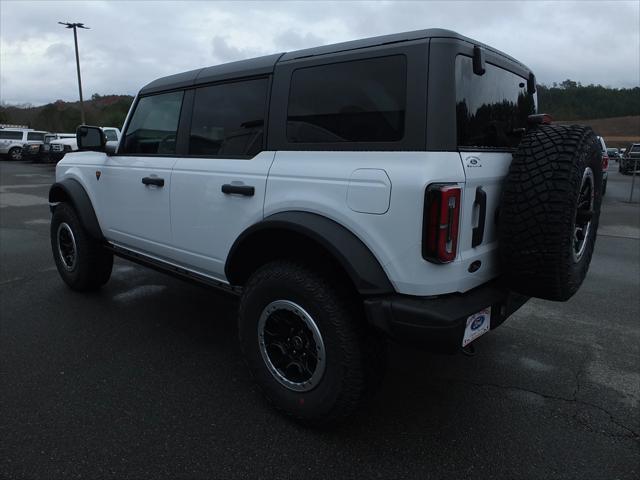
(72,191)
(362,267)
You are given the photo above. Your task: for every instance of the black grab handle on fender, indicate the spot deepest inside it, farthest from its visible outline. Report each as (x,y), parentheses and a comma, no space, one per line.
(478,232)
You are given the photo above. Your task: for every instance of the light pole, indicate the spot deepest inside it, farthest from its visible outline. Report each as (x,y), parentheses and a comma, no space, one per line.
(75,39)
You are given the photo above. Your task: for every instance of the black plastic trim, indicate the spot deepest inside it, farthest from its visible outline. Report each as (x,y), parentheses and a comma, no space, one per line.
(438,323)
(253,67)
(70,190)
(351,253)
(478,232)
(232,189)
(184,123)
(170,269)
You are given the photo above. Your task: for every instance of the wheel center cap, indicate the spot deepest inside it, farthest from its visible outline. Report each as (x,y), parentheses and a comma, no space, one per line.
(297,343)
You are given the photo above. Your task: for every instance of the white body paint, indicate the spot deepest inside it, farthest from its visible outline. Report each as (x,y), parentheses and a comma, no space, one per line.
(378,196)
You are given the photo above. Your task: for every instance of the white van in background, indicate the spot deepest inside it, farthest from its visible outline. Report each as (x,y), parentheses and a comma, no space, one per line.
(13,139)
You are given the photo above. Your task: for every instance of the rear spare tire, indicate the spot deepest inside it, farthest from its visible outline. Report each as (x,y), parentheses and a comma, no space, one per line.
(550,210)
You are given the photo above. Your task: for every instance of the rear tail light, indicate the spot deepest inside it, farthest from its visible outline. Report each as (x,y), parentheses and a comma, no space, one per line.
(440,223)
(605,162)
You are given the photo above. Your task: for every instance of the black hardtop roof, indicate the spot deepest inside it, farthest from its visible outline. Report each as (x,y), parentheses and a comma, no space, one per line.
(266,64)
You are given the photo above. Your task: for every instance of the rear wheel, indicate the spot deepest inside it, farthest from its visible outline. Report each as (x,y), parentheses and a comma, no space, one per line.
(306,343)
(550,211)
(82,262)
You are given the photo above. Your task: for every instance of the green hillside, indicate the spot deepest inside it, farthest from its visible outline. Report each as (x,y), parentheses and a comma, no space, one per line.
(573,101)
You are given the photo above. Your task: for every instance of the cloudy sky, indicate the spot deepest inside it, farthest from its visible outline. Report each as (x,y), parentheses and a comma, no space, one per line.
(131,43)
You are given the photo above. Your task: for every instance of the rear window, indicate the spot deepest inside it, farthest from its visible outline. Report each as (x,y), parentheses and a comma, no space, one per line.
(491,109)
(35,136)
(634,148)
(4,135)
(357,101)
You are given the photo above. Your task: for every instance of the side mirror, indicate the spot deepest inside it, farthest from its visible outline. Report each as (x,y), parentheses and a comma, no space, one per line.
(90,138)
(111,147)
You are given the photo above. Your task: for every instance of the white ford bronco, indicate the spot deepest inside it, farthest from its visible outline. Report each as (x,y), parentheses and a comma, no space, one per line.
(399,187)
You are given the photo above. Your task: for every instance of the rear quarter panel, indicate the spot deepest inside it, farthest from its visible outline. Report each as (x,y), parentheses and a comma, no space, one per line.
(318,182)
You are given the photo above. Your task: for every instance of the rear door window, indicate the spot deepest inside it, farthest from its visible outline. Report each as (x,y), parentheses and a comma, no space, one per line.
(356,101)
(154,125)
(228,119)
(491,109)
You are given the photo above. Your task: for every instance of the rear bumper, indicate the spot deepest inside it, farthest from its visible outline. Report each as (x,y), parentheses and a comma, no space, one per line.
(438,323)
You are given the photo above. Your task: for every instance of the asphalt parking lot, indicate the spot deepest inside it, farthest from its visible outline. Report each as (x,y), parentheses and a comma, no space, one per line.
(145,378)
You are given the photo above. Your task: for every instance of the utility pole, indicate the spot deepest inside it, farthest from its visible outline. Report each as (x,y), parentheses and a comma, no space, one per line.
(75,40)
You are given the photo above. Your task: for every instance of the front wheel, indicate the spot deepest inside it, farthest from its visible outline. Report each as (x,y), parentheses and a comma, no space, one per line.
(306,344)
(82,262)
(15,153)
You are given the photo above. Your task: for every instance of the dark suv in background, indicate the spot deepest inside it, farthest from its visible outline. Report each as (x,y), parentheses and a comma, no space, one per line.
(631,159)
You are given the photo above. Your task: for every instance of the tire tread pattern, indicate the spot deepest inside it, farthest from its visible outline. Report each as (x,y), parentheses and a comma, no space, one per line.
(537,212)
(362,352)
(94,262)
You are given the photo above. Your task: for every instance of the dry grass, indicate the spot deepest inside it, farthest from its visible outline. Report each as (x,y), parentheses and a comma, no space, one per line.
(617,131)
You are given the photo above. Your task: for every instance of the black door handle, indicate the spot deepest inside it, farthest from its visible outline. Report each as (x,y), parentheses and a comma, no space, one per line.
(158,182)
(478,232)
(245,190)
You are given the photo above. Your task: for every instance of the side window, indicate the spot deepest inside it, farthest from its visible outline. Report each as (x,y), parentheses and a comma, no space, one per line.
(491,109)
(357,101)
(153,127)
(228,119)
(35,136)
(10,135)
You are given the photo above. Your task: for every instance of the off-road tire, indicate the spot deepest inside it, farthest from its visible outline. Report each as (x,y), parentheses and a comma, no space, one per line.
(355,355)
(538,211)
(93,263)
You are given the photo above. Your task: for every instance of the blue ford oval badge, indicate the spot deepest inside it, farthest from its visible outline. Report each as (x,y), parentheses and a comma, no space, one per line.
(477,322)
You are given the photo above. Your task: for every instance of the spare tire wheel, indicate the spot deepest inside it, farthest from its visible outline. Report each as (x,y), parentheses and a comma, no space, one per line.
(549,211)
